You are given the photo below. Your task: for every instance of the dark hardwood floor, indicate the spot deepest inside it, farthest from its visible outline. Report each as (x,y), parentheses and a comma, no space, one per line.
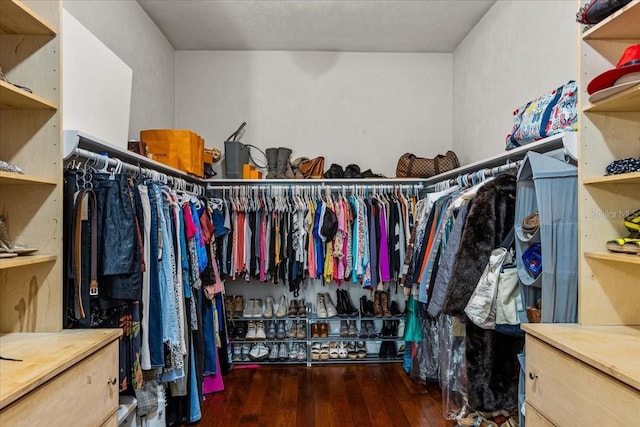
(327,395)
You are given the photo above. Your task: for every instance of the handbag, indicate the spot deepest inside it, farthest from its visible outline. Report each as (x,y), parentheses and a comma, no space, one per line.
(412,166)
(483,304)
(549,114)
(508,299)
(313,168)
(236,154)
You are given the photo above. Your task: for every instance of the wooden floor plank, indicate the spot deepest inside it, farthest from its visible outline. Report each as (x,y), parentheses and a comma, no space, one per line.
(362,395)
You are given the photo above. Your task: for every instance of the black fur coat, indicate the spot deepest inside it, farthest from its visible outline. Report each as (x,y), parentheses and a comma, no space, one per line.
(492,364)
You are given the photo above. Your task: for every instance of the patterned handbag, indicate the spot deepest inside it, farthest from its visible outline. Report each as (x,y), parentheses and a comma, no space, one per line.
(411,166)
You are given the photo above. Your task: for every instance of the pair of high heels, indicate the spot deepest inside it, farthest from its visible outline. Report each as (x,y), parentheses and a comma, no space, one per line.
(8,249)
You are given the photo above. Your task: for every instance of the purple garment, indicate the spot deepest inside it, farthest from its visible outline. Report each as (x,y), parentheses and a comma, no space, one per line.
(383,261)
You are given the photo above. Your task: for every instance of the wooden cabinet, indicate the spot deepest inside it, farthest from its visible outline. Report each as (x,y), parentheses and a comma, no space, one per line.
(67,378)
(30,137)
(575,375)
(589,374)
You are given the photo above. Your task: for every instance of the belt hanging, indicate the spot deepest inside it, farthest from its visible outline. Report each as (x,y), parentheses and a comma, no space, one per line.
(77,253)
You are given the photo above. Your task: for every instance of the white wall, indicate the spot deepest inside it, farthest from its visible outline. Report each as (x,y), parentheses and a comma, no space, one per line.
(518,51)
(125,28)
(364,108)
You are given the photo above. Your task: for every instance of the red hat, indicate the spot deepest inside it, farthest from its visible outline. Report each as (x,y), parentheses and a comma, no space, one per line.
(629,63)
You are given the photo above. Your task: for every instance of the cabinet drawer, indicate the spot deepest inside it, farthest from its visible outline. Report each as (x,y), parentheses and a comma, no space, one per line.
(569,392)
(79,396)
(535,418)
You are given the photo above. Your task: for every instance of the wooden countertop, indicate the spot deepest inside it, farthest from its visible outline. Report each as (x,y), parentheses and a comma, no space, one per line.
(614,350)
(44,355)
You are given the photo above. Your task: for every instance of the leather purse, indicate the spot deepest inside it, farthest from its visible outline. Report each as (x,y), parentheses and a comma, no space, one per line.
(313,168)
(412,166)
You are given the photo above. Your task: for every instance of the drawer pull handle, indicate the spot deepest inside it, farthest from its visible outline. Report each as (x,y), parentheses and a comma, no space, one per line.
(533,376)
(112,381)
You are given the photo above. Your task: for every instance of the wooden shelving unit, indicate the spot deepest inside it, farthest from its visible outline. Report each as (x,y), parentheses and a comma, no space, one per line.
(580,374)
(31,138)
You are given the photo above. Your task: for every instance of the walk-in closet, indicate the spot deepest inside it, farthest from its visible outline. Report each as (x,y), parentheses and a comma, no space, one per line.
(312,213)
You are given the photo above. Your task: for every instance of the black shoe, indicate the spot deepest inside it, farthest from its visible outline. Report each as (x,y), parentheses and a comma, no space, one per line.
(334,171)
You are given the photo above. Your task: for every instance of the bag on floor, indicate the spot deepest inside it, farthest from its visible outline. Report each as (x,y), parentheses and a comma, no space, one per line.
(412,166)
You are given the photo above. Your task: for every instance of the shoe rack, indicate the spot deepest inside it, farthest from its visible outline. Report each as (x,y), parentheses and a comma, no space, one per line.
(587,374)
(30,137)
(319,336)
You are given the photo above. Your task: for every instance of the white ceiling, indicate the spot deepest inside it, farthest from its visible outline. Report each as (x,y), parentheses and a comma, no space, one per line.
(317,25)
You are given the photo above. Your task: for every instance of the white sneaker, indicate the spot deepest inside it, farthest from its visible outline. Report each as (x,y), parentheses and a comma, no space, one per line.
(259,352)
(302,352)
(237,353)
(245,352)
(282,307)
(293,352)
(251,331)
(331,309)
(273,356)
(257,308)
(401,329)
(322,309)
(268,311)
(248,311)
(260,334)
(283,353)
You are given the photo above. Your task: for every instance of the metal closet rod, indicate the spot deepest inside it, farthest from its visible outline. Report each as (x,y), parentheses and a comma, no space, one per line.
(106,161)
(321,186)
(469,177)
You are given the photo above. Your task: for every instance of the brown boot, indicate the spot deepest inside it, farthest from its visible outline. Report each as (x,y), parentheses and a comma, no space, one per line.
(238,306)
(314,331)
(377,304)
(229,305)
(293,308)
(384,301)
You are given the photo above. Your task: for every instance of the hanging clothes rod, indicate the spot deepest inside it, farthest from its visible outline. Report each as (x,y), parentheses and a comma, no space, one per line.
(103,161)
(74,139)
(300,186)
(474,177)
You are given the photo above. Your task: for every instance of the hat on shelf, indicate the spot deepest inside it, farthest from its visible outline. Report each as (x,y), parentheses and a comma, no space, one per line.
(624,75)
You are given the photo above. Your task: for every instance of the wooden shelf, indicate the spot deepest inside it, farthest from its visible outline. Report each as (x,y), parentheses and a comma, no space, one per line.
(624,178)
(615,257)
(625,101)
(621,25)
(13,98)
(21,261)
(22,179)
(16,18)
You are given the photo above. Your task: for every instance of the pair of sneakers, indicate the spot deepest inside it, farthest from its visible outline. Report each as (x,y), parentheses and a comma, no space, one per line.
(279,352)
(241,352)
(255,331)
(630,244)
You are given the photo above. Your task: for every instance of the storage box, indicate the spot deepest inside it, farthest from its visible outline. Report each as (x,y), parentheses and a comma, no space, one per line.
(179,148)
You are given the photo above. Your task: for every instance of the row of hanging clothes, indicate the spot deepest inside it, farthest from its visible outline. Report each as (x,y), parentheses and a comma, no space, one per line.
(457,226)
(330,233)
(139,255)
